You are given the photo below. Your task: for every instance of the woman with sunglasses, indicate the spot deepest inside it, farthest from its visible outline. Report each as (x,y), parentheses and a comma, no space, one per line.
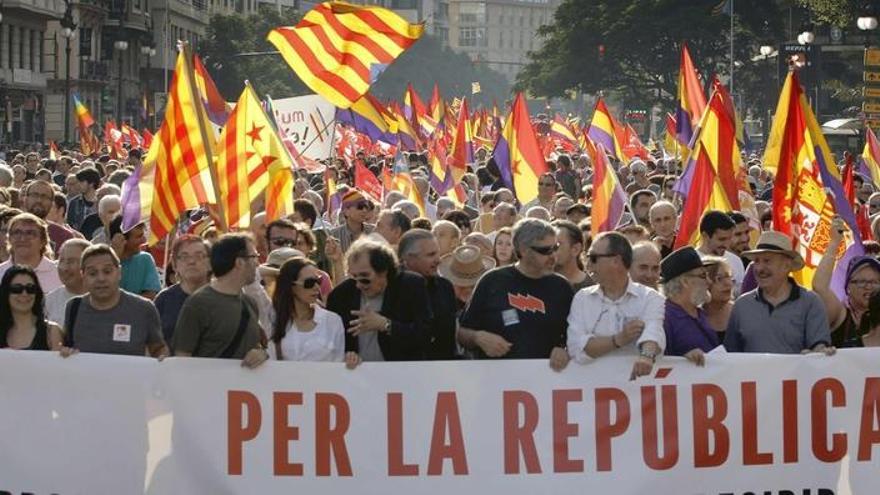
(303,330)
(23,323)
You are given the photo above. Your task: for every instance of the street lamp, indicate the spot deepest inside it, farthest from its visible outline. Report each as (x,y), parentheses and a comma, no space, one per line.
(120,46)
(766,50)
(68,31)
(867,21)
(807,36)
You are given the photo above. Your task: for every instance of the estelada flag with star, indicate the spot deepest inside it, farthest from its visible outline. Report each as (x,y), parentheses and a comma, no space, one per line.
(251,157)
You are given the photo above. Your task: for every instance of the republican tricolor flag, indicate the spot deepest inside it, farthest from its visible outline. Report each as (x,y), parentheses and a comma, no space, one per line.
(518,154)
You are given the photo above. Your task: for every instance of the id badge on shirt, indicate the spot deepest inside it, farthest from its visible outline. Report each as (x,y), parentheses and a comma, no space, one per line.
(509,317)
(121,333)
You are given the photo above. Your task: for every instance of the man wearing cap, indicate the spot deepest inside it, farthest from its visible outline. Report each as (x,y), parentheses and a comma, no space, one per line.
(518,311)
(418,252)
(355,211)
(617,315)
(779,316)
(686,286)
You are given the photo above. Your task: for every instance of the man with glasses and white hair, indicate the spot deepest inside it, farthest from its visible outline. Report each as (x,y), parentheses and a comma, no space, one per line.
(686,286)
(519,311)
(617,315)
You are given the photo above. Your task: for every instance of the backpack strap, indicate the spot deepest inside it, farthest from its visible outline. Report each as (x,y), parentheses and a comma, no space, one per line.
(70,323)
(239,334)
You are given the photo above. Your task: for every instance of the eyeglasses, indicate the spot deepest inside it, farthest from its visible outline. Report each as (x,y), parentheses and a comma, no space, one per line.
(21,288)
(545,250)
(310,283)
(594,257)
(186,258)
(282,242)
(863,284)
(24,234)
(364,205)
(701,276)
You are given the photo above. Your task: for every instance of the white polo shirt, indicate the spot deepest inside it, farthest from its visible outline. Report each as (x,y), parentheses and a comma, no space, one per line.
(47,274)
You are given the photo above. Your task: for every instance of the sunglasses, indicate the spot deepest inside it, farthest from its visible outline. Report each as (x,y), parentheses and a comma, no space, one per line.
(309,283)
(282,242)
(21,288)
(362,281)
(545,250)
(594,257)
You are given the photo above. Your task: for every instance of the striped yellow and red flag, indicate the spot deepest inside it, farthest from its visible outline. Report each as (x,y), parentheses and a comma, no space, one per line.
(339,49)
(172,179)
(250,157)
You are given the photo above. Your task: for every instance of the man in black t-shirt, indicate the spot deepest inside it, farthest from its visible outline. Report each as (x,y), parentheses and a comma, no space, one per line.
(520,311)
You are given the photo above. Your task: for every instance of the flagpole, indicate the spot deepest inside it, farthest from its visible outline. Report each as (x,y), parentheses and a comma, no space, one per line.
(332,121)
(731,45)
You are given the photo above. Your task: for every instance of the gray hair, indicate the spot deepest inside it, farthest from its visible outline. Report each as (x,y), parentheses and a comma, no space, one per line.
(106,201)
(505,207)
(528,231)
(673,287)
(445,224)
(6,176)
(538,211)
(315,199)
(408,208)
(661,204)
(408,242)
(393,197)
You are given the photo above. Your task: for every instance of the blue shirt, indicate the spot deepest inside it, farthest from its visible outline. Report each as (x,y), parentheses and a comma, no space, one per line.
(685,333)
(139,274)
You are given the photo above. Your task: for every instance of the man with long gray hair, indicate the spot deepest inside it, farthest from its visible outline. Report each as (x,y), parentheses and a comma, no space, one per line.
(519,311)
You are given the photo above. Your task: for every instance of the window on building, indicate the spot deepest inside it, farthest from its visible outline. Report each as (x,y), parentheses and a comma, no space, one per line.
(472,13)
(11,47)
(21,36)
(472,37)
(41,51)
(500,39)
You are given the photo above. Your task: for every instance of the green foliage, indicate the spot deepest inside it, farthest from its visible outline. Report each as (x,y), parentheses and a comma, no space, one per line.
(425,63)
(642,40)
(840,13)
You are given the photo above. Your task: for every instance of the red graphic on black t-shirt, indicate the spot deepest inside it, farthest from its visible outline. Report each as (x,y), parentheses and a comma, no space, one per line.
(525,302)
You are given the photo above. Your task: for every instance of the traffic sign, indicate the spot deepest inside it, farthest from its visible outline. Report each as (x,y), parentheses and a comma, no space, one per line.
(872,57)
(873,77)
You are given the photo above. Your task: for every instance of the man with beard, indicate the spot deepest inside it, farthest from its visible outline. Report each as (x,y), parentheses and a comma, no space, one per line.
(686,285)
(39,197)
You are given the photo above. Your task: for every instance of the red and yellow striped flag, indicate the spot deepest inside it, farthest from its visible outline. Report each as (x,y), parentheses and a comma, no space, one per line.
(172,178)
(339,49)
(250,157)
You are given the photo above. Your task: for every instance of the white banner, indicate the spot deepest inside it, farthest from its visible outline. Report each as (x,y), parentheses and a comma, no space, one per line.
(756,424)
(307,123)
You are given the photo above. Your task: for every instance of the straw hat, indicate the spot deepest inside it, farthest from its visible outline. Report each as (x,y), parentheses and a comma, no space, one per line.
(465,265)
(776,242)
(277,258)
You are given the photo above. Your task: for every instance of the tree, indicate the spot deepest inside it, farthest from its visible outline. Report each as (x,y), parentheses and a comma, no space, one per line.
(633,47)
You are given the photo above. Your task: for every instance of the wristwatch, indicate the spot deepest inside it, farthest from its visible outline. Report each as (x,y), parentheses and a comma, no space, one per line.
(387,327)
(648,354)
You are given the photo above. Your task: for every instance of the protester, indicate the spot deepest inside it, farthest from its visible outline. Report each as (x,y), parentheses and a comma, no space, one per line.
(779,316)
(392,225)
(218,320)
(189,259)
(716,236)
(861,282)
(109,208)
(139,273)
(463,268)
(686,287)
(547,188)
(303,330)
(355,211)
(23,324)
(39,198)
(419,253)
(85,203)
(640,204)
(720,303)
(646,264)
(448,236)
(502,248)
(741,240)
(868,334)
(568,258)
(70,274)
(386,310)
(662,217)
(109,320)
(617,315)
(519,311)
(29,245)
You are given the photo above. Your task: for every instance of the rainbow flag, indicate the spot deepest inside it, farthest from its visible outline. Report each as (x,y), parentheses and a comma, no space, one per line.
(339,49)
(518,153)
(83,116)
(606,131)
(691,102)
(462,145)
(871,156)
(609,198)
(807,192)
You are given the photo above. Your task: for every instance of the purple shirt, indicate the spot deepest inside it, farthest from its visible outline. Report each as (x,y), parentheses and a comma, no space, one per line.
(685,333)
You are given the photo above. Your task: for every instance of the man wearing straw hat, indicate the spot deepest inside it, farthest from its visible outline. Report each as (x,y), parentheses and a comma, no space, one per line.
(779,316)
(463,268)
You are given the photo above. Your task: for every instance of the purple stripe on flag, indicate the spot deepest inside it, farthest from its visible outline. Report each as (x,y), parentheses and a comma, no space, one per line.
(616,206)
(599,136)
(683,184)
(501,154)
(131,199)
(683,129)
(864,171)
(838,278)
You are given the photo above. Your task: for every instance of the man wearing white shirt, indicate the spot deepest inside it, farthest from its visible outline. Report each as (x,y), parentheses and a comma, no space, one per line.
(617,315)
(29,245)
(69,256)
(716,237)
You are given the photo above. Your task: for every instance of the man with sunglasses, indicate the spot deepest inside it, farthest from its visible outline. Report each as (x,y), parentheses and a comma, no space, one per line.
(281,233)
(356,209)
(617,315)
(519,311)
(547,188)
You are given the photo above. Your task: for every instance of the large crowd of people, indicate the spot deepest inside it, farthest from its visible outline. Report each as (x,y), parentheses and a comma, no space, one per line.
(392,280)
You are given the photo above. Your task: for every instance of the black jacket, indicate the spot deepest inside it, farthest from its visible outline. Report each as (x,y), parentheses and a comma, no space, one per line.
(405,302)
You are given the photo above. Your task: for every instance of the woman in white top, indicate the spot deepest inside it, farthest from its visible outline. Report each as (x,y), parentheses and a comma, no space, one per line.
(303,330)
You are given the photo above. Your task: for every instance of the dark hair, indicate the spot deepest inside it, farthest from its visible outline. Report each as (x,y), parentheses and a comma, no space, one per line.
(60,201)
(737,217)
(563,161)
(421,223)
(282,300)
(618,244)
(575,236)
(306,210)
(459,218)
(400,220)
(487,197)
(185,239)
(714,221)
(38,309)
(97,250)
(281,223)
(638,194)
(382,258)
(226,251)
(90,175)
